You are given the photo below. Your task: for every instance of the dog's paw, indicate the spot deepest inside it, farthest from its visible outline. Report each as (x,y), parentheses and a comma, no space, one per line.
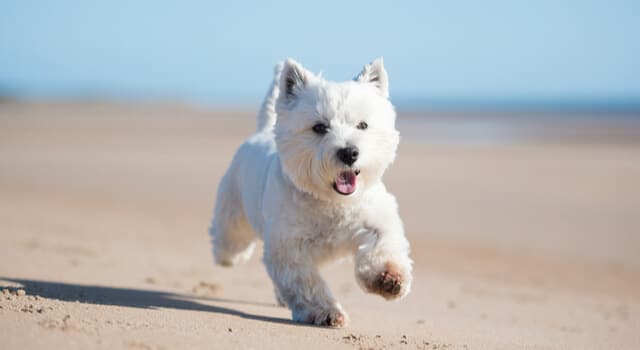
(333,317)
(390,282)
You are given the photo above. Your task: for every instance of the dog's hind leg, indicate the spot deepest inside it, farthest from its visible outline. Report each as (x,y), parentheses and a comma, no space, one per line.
(232,236)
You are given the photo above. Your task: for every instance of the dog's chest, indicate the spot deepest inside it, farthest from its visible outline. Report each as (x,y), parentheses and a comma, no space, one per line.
(329,230)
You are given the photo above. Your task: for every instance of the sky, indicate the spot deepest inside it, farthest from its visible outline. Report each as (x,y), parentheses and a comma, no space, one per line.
(439,52)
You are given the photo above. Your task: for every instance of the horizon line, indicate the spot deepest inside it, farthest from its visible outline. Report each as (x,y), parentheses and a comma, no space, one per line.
(436,104)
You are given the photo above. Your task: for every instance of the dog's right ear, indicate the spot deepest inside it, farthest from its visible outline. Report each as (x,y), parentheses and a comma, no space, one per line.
(293,80)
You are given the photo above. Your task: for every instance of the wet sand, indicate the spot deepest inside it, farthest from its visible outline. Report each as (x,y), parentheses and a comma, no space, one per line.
(525,233)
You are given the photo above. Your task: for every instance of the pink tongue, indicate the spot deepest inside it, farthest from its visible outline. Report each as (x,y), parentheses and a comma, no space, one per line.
(346,182)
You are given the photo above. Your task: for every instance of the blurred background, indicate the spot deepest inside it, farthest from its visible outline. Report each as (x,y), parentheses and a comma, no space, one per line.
(520,116)
(517,174)
(533,105)
(441,55)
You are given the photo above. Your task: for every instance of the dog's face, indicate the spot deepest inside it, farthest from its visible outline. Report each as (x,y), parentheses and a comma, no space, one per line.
(335,139)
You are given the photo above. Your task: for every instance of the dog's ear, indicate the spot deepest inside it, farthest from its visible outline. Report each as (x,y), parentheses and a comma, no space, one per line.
(374,73)
(293,79)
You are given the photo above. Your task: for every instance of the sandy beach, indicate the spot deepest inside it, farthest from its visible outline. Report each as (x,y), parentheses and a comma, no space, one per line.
(525,233)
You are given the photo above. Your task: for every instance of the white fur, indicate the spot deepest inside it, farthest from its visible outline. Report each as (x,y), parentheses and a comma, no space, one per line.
(279,187)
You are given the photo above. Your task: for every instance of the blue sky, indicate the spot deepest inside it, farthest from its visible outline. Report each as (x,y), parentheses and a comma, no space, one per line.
(223,52)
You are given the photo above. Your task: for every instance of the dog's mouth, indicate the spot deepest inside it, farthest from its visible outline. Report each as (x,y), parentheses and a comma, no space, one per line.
(345,184)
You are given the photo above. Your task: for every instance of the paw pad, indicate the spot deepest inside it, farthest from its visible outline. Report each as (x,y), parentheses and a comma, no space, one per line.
(389,283)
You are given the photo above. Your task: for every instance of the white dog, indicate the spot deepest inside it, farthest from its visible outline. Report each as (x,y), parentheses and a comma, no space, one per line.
(309,183)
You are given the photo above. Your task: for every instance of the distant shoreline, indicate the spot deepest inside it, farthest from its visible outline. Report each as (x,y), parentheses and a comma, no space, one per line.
(613,107)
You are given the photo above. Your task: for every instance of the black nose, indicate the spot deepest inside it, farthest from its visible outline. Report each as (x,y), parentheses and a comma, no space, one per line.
(348,155)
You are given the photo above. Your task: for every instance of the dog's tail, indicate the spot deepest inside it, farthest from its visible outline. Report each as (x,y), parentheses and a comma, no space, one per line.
(267,115)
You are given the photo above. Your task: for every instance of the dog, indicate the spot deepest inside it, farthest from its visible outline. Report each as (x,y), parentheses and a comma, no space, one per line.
(309,184)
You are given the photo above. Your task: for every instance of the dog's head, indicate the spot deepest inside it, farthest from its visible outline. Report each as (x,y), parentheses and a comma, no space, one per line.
(335,140)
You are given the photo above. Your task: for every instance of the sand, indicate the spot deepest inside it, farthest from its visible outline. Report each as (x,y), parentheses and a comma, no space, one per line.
(525,234)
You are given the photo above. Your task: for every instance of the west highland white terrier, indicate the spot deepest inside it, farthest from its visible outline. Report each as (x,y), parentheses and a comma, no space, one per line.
(309,183)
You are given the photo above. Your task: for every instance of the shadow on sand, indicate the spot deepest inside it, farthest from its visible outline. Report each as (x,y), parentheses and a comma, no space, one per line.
(138,298)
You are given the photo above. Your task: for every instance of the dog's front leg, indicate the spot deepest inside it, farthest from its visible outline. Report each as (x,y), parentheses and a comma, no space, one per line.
(301,287)
(382,263)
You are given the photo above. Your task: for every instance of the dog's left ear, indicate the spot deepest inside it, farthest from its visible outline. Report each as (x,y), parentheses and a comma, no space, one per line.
(374,73)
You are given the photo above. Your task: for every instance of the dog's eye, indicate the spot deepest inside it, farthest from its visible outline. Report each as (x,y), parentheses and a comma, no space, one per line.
(363,125)
(320,128)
